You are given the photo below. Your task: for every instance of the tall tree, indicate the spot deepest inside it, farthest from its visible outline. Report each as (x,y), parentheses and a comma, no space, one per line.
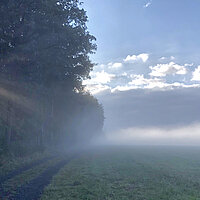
(44,56)
(49,37)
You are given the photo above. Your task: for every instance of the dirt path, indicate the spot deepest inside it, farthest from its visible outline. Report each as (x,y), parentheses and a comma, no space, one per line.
(23,168)
(34,189)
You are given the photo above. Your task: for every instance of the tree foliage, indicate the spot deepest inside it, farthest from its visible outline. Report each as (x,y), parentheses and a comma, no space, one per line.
(44,57)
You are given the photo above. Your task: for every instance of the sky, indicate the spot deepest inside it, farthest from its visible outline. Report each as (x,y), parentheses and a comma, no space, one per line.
(147,73)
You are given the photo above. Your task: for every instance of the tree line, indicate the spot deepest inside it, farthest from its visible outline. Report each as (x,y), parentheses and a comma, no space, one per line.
(44,57)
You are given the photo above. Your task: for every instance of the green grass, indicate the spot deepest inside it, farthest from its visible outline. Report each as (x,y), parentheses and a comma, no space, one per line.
(122,173)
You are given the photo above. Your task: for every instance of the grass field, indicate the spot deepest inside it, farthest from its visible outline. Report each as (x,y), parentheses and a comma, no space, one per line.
(122,173)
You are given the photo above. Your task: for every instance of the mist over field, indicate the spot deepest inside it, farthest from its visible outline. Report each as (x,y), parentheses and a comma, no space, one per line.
(152,117)
(188,136)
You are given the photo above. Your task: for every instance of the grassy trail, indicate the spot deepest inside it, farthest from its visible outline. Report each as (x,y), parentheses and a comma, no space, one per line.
(21,169)
(28,182)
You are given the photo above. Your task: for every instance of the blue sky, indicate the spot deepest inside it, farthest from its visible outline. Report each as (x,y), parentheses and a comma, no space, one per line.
(166,31)
(148,54)
(127,27)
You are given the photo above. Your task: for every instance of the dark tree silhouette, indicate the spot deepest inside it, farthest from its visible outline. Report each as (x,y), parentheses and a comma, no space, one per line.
(44,57)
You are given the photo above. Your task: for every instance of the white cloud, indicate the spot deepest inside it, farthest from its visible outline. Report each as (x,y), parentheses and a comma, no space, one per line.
(172,58)
(150,83)
(97,88)
(115,65)
(163,58)
(161,70)
(98,82)
(167,58)
(99,78)
(196,74)
(124,74)
(124,88)
(139,80)
(189,65)
(156,84)
(147,4)
(135,58)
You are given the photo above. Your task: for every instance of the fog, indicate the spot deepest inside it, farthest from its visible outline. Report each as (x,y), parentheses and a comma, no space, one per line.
(149,117)
(188,135)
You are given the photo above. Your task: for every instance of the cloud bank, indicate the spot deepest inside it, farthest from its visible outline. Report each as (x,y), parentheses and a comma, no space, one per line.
(140,72)
(161,70)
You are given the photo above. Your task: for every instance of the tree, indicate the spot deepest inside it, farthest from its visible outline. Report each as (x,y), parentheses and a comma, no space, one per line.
(44,56)
(50,37)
